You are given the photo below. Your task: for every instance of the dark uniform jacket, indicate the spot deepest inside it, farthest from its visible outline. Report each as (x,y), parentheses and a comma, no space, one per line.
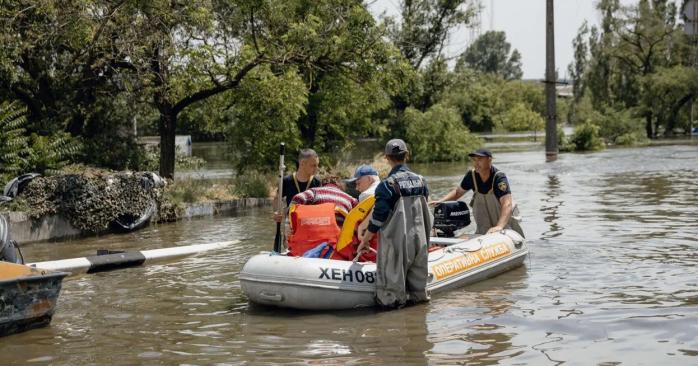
(409,183)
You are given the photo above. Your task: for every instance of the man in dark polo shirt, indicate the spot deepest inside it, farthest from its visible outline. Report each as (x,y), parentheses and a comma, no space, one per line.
(492,204)
(300,181)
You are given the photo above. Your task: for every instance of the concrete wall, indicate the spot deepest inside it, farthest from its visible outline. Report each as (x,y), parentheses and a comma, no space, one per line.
(222,207)
(25,230)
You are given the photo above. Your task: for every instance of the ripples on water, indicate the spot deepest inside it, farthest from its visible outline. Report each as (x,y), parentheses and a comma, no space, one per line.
(611,279)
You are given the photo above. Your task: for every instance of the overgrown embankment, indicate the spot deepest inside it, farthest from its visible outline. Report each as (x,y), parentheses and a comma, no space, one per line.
(92,201)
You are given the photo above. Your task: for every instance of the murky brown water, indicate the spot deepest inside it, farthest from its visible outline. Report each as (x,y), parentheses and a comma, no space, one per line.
(612,278)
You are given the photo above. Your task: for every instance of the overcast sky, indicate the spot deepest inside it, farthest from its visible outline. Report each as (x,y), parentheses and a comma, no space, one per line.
(524,24)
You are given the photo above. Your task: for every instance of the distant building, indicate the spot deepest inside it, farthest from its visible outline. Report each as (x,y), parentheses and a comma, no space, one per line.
(182,143)
(565,90)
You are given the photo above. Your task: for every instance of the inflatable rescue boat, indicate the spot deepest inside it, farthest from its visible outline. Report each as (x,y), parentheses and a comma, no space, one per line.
(325,284)
(294,281)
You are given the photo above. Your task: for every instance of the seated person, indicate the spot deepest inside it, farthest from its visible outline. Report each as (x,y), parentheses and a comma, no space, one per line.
(347,243)
(329,192)
(366,180)
(317,215)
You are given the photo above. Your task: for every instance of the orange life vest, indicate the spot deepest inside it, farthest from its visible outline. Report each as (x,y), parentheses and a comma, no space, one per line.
(310,226)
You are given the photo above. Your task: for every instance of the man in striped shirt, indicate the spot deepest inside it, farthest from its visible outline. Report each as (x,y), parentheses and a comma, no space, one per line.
(328,193)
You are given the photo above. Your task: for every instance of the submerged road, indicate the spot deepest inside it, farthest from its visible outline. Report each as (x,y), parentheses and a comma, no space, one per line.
(611,279)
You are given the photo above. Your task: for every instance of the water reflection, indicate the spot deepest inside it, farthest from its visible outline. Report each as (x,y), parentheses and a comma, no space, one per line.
(362,337)
(550,209)
(465,325)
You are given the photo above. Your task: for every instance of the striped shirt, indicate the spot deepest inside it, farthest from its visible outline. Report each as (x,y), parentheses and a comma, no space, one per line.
(327,194)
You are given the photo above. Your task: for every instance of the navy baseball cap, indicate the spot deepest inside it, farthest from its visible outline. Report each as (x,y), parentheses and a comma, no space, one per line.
(362,171)
(481,152)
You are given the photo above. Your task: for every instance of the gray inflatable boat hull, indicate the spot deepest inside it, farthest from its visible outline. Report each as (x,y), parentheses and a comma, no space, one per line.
(327,284)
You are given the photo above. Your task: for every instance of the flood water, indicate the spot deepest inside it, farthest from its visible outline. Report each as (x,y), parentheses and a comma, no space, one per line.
(611,279)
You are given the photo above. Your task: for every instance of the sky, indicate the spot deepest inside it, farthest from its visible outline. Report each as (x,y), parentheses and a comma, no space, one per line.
(523,21)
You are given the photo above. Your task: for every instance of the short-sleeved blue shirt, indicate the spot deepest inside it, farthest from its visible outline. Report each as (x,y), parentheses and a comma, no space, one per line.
(501,184)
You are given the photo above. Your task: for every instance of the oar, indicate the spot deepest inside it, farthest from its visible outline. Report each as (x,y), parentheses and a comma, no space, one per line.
(117,259)
(278,240)
(359,254)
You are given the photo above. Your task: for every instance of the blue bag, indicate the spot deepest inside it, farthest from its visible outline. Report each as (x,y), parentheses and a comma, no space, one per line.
(317,252)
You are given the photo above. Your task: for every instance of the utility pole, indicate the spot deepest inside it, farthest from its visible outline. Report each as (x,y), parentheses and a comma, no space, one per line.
(690,16)
(551,148)
(694,23)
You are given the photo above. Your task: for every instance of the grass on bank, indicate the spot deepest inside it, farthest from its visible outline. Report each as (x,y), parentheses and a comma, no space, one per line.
(251,184)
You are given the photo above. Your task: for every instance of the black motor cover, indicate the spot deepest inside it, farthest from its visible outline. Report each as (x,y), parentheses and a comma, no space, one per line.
(450,216)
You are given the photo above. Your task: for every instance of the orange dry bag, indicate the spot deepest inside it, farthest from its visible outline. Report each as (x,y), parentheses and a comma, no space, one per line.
(311,225)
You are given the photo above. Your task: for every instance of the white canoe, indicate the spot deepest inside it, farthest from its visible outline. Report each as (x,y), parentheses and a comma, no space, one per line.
(326,284)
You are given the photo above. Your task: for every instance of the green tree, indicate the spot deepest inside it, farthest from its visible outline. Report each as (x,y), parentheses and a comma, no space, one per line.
(491,53)
(177,54)
(645,45)
(420,33)
(55,59)
(578,66)
(14,144)
(478,98)
(350,72)
(530,93)
(601,44)
(668,91)
(191,52)
(20,153)
(577,70)
(48,154)
(519,118)
(263,112)
(633,42)
(586,138)
(425,25)
(438,135)
(620,127)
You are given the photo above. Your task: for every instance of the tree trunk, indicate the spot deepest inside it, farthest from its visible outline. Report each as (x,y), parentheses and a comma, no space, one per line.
(308,125)
(168,122)
(674,115)
(648,125)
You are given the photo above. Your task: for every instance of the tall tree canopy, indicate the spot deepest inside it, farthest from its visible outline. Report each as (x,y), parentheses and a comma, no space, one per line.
(632,45)
(312,73)
(491,53)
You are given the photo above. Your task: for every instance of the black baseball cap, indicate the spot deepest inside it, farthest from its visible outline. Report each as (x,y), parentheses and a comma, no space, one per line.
(481,152)
(395,147)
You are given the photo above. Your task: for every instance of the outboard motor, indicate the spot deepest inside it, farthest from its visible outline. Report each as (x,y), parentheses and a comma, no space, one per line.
(8,247)
(450,216)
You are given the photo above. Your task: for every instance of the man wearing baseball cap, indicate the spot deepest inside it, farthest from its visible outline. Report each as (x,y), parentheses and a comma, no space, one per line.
(492,204)
(366,180)
(401,214)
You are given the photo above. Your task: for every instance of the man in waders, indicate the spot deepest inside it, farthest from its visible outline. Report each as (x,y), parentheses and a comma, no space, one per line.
(401,214)
(492,203)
